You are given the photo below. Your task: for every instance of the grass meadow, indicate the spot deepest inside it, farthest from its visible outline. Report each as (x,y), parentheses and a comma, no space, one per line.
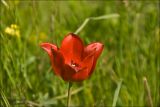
(127,72)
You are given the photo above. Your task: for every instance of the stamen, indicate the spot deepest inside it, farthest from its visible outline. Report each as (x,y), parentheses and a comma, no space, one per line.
(73,65)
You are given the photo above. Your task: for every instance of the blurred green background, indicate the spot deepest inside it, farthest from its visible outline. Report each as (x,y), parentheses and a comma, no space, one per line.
(131,52)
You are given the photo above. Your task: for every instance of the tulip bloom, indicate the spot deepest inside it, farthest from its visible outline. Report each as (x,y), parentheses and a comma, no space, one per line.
(73,61)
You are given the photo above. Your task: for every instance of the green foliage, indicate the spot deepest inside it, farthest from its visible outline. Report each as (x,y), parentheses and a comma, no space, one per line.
(131,52)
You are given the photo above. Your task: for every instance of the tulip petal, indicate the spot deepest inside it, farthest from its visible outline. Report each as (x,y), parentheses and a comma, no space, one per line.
(67,73)
(47,47)
(56,57)
(57,61)
(72,48)
(86,66)
(97,49)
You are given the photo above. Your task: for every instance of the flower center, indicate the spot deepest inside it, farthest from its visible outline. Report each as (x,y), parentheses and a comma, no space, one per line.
(75,65)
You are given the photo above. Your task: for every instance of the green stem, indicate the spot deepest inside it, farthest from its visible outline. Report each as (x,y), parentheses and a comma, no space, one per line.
(69,94)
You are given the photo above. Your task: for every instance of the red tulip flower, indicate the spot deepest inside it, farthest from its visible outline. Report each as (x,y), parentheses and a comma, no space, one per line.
(73,61)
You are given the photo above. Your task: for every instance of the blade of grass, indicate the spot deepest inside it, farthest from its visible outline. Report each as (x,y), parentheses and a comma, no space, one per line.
(4,99)
(5,3)
(115,15)
(116,94)
(51,101)
(9,75)
(147,88)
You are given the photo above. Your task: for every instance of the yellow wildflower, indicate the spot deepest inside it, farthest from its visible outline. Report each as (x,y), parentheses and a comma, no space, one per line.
(13,30)
(14,26)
